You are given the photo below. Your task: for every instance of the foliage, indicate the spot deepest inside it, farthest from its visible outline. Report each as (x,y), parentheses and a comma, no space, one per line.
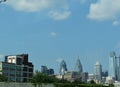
(111,85)
(76,85)
(78,82)
(3,78)
(39,78)
(92,82)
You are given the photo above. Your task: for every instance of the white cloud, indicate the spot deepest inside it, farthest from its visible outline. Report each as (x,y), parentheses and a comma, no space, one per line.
(57,15)
(104,10)
(61,7)
(116,23)
(32,5)
(53,34)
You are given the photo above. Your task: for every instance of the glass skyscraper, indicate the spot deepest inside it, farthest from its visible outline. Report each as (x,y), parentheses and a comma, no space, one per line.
(114,66)
(63,67)
(78,66)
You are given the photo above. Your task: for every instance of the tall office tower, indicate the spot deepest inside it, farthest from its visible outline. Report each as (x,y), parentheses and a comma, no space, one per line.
(113,65)
(118,68)
(63,67)
(44,69)
(78,66)
(98,71)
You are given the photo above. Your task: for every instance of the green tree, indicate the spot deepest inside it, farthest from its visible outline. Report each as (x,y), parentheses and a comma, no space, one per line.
(3,78)
(92,82)
(39,78)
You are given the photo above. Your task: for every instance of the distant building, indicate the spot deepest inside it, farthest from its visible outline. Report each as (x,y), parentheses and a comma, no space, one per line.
(17,68)
(44,69)
(78,67)
(47,71)
(63,68)
(110,80)
(114,66)
(98,71)
(50,71)
(104,73)
(90,77)
(72,76)
(84,77)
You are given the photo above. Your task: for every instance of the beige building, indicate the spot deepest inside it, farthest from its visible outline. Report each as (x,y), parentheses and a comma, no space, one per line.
(72,76)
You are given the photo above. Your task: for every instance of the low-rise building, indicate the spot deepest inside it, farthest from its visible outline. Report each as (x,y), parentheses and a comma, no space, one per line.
(90,77)
(47,71)
(17,68)
(72,76)
(84,77)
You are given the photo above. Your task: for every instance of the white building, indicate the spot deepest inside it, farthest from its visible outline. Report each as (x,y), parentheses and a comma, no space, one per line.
(98,72)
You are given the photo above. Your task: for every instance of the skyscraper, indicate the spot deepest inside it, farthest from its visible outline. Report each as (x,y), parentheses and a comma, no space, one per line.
(44,69)
(113,65)
(63,67)
(98,71)
(118,68)
(78,66)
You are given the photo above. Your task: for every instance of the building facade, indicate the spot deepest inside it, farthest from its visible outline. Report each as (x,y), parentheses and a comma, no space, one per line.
(114,66)
(84,77)
(98,72)
(17,68)
(44,69)
(72,76)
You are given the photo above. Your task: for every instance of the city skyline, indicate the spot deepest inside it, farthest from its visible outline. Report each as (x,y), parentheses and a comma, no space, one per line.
(51,31)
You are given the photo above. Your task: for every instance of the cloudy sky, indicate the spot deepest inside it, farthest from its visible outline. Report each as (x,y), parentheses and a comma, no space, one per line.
(53,30)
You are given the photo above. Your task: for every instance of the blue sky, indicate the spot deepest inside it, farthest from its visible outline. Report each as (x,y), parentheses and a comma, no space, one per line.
(52,30)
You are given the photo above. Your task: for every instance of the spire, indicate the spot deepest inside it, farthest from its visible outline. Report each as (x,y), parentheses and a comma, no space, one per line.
(63,67)
(78,66)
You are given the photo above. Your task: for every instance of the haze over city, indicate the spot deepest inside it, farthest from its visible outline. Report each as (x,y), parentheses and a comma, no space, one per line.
(54,30)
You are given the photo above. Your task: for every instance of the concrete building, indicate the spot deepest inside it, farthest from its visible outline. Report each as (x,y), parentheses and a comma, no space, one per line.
(90,77)
(72,76)
(98,72)
(17,68)
(84,77)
